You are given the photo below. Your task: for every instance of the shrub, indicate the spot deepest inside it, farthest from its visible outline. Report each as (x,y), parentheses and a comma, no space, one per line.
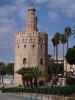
(41,83)
(66,90)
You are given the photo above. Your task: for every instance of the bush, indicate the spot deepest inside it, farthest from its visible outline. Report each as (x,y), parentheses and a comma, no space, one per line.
(41,83)
(66,90)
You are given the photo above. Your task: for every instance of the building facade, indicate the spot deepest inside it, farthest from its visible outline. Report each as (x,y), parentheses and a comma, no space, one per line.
(31,47)
(69,68)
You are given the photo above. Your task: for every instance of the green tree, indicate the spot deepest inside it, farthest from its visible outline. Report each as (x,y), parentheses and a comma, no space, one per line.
(70,56)
(28,74)
(63,41)
(54,69)
(67,33)
(2,72)
(36,74)
(10,69)
(54,44)
(56,41)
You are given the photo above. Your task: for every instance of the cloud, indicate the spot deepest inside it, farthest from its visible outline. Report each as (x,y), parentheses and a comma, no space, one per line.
(70,11)
(66,7)
(40,1)
(8,28)
(32,1)
(12,19)
(53,16)
(13,12)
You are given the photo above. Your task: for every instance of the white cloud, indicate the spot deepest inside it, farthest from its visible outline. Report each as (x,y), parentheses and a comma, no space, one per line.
(32,1)
(57,3)
(7,25)
(12,17)
(67,7)
(70,11)
(40,1)
(53,16)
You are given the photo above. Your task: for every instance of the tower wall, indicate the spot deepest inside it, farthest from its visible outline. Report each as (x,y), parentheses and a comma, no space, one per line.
(31,47)
(34,48)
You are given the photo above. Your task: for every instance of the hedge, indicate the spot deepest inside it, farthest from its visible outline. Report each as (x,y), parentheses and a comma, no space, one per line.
(67,90)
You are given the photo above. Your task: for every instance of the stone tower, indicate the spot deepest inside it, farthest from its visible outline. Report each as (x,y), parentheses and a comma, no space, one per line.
(31,46)
(31,20)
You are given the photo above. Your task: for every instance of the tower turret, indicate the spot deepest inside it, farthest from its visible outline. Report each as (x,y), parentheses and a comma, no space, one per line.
(31,24)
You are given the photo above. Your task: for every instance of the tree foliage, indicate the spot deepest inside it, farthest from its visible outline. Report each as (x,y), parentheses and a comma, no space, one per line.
(67,31)
(28,74)
(31,72)
(63,38)
(56,41)
(10,68)
(2,68)
(70,56)
(54,69)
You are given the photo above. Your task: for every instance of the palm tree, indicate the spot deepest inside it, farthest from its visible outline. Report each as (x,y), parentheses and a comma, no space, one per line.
(57,41)
(53,42)
(63,41)
(67,33)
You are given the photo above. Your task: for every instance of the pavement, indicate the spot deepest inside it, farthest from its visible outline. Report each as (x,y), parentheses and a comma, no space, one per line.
(11,97)
(8,96)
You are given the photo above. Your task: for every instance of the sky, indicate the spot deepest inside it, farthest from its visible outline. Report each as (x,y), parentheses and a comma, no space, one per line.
(53,16)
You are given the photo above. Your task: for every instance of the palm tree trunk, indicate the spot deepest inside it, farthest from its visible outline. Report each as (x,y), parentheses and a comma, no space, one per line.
(63,53)
(23,81)
(31,83)
(54,51)
(57,53)
(2,79)
(67,50)
(27,81)
(35,82)
(67,44)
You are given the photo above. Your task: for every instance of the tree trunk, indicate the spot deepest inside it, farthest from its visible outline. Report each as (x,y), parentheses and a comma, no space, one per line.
(27,82)
(31,83)
(63,53)
(54,51)
(67,50)
(35,82)
(3,80)
(67,44)
(23,81)
(57,53)
(0,78)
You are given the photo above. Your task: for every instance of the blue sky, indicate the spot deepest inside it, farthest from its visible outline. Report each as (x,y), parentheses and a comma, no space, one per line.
(53,16)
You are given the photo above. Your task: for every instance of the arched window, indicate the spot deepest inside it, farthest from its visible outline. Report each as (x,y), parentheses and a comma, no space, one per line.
(33,45)
(22,40)
(41,46)
(33,33)
(24,60)
(24,46)
(18,46)
(41,61)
